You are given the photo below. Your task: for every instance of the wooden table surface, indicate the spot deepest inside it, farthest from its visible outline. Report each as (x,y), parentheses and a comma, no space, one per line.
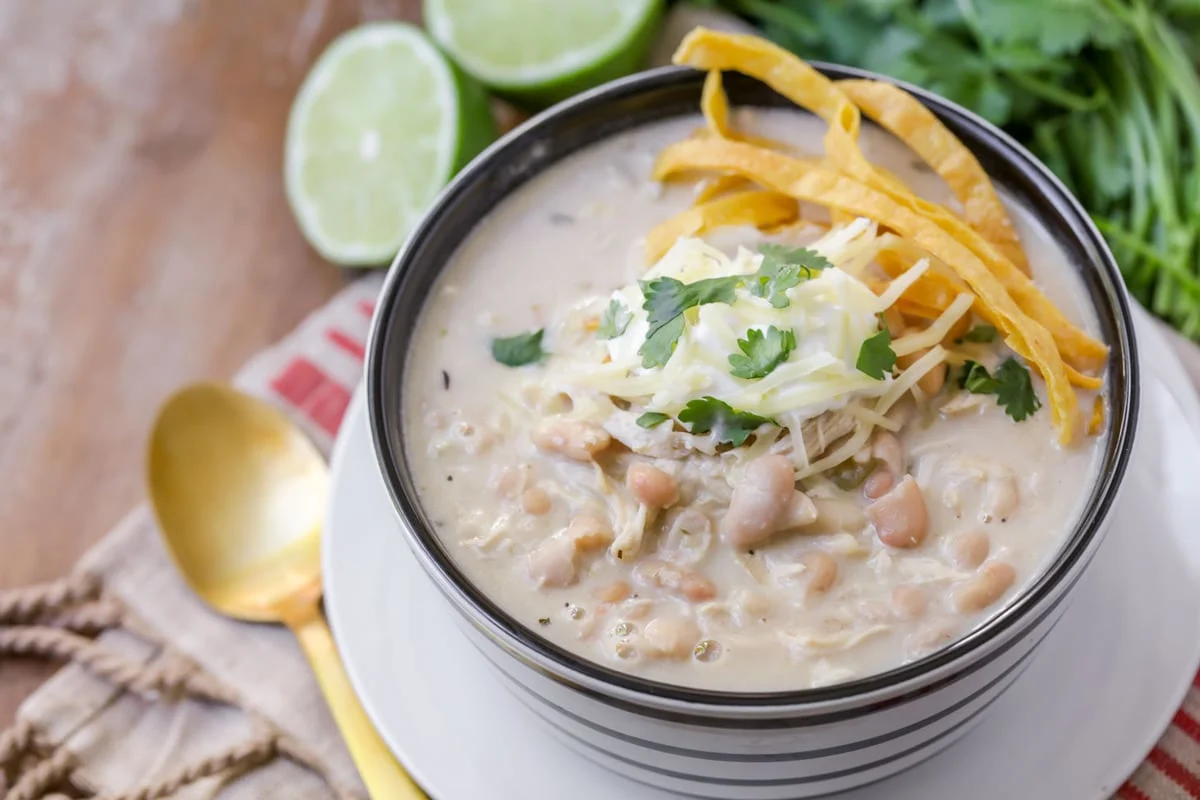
(144,241)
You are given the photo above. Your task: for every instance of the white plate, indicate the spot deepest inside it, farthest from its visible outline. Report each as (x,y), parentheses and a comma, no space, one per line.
(1089,708)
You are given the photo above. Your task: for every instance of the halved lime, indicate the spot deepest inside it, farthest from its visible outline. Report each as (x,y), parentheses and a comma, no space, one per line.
(541,51)
(381,123)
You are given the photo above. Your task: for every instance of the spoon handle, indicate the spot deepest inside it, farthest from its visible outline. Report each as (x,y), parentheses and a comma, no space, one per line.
(385,779)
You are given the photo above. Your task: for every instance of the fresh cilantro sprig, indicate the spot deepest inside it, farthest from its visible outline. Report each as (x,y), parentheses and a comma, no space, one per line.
(666,299)
(708,414)
(976,379)
(762,352)
(614,320)
(1103,91)
(652,419)
(876,358)
(519,350)
(782,268)
(1011,385)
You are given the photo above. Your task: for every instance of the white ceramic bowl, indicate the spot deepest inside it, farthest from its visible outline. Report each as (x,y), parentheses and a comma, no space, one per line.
(723,744)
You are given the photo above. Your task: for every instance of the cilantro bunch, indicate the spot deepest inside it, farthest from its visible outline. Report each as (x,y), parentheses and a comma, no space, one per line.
(1105,92)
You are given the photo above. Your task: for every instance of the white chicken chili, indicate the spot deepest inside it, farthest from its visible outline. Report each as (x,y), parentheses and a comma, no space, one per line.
(747,466)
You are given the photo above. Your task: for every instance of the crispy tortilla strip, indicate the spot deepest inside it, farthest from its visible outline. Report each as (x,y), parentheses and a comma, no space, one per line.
(719,185)
(1096,423)
(791,77)
(800,83)
(915,125)
(762,209)
(715,105)
(1089,382)
(1077,348)
(935,290)
(923,299)
(808,183)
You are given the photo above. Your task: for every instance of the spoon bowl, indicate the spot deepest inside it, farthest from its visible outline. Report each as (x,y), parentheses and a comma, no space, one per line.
(239,493)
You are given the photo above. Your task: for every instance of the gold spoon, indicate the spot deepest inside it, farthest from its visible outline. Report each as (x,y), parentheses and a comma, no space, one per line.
(240,494)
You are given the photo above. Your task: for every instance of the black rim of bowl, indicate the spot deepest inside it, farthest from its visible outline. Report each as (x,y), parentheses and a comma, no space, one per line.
(666,93)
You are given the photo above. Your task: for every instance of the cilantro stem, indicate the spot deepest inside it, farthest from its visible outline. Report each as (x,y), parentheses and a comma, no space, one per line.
(1190,283)
(773,12)
(1072,101)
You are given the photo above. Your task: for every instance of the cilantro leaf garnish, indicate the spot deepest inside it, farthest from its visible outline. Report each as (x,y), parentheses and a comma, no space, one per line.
(1011,385)
(876,357)
(651,419)
(708,414)
(1014,390)
(975,379)
(782,268)
(660,343)
(519,350)
(762,352)
(614,321)
(666,300)
(980,334)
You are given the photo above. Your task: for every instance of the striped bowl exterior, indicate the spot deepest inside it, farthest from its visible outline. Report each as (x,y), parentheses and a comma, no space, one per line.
(721,744)
(768,753)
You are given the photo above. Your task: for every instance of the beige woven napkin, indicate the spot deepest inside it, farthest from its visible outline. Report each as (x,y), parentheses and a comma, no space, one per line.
(111,740)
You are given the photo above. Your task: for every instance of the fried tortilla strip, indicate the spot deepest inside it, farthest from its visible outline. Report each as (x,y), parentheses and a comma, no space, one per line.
(719,185)
(762,209)
(808,183)
(791,77)
(1096,423)
(935,290)
(800,83)
(915,125)
(715,105)
(1077,348)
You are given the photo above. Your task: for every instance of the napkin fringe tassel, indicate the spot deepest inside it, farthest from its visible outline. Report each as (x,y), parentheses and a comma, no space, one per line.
(57,621)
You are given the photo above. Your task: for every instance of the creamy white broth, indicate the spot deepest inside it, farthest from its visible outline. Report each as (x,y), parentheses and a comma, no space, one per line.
(570,238)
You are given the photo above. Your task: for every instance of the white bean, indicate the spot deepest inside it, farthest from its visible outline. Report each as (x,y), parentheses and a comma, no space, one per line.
(835,515)
(878,483)
(652,486)
(670,637)
(590,530)
(909,602)
(900,517)
(969,549)
(984,588)
(759,500)
(887,448)
(680,580)
(931,382)
(574,438)
(535,501)
(801,512)
(612,592)
(552,563)
(822,570)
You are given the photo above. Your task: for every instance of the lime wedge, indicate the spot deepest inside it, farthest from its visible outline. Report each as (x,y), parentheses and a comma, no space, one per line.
(381,123)
(541,51)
